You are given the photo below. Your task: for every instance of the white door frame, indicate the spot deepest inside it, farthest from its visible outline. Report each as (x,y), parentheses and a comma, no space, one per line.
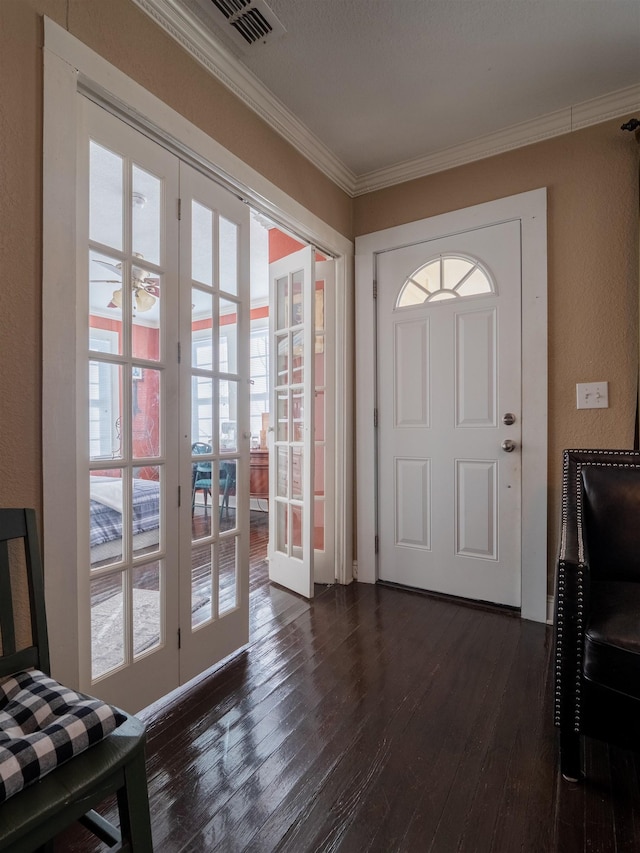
(531,209)
(70,67)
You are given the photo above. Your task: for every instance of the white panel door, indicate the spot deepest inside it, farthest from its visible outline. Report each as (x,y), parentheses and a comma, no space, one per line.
(449,404)
(291,444)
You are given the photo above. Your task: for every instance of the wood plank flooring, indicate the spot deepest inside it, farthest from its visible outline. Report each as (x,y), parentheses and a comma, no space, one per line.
(377,719)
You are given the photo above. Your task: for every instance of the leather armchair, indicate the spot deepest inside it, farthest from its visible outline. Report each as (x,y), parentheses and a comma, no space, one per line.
(597,604)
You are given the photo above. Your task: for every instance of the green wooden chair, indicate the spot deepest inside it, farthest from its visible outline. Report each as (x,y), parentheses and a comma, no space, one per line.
(30,818)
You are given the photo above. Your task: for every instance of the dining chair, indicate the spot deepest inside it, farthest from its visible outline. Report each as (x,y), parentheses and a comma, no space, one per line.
(62,753)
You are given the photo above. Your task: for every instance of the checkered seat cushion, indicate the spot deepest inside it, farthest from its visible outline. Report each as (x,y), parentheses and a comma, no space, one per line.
(42,725)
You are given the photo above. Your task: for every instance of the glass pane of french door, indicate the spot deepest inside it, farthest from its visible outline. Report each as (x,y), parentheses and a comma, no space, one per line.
(129,580)
(215,423)
(291,505)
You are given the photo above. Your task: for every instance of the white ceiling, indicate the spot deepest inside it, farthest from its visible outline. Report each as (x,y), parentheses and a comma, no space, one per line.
(385,82)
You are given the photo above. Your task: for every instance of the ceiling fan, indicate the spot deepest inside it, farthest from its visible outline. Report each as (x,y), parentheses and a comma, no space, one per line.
(145,287)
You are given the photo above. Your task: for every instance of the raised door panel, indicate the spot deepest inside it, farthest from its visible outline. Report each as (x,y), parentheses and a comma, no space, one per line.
(475,375)
(476,508)
(413,502)
(411,373)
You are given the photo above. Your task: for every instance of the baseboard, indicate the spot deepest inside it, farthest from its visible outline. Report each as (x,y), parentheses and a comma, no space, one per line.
(550,605)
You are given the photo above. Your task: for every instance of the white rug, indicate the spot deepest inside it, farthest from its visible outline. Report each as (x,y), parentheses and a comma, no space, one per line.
(107,627)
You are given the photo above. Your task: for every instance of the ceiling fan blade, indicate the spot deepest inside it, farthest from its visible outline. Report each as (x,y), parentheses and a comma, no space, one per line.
(113,267)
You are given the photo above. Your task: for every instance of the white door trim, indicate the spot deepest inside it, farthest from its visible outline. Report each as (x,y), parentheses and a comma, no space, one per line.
(531,209)
(68,63)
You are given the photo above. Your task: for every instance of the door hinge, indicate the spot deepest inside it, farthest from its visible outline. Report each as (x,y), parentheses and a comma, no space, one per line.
(179,209)
(377,543)
(375,417)
(179,638)
(179,495)
(179,352)
(375,289)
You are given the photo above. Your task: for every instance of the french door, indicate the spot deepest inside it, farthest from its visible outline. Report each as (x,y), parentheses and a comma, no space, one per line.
(214,428)
(163,261)
(324,437)
(302,440)
(291,474)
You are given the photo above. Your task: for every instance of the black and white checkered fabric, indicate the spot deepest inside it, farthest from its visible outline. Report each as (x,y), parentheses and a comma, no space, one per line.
(42,725)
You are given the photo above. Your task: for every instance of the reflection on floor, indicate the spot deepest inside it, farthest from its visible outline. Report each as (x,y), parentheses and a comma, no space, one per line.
(270,605)
(384,721)
(272,610)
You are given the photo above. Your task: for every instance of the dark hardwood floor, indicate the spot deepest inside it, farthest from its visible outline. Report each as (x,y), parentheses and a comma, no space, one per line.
(377,719)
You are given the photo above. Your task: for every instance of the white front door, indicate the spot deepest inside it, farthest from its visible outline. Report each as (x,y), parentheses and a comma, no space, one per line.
(449,414)
(291,444)
(163,557)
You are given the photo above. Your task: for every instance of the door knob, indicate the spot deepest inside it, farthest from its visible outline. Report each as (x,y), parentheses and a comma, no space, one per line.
(508,446)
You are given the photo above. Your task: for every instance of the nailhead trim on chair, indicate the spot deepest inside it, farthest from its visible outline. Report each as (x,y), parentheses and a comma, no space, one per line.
(562,572)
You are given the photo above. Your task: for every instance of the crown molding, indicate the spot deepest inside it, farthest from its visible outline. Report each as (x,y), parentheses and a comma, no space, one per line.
(609,106)
(218,60)
(515,136)
(518,135)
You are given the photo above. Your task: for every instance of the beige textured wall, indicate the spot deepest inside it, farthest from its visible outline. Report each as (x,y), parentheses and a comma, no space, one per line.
(126,37)
(593,224)
(592,181)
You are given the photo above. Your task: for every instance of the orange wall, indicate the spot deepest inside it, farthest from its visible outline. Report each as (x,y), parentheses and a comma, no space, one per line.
(281,245)
(145,426)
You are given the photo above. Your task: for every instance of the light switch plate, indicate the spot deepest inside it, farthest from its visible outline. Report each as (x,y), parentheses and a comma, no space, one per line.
(593,395)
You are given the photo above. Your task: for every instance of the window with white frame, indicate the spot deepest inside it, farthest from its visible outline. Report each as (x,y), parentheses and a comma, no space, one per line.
(259,371)
(443,278)
(103,396)
(202,425)
(202,357)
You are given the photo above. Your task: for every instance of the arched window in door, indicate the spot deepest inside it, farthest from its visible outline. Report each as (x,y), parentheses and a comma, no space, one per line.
(445,277)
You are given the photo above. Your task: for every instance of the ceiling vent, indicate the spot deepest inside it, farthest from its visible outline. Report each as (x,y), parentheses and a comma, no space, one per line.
(249,22)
